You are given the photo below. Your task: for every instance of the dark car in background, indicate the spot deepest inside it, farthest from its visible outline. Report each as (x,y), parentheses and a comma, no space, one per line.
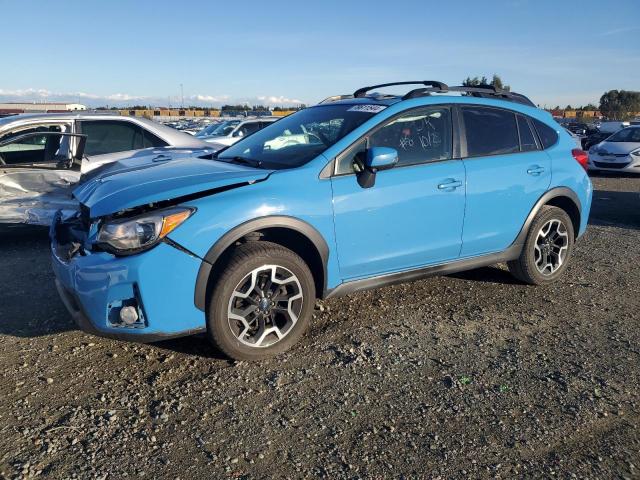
(578,128)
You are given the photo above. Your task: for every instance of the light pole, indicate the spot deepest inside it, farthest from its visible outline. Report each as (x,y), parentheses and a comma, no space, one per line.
(181,97)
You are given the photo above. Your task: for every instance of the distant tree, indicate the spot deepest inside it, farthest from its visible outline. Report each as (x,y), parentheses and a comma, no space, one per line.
(568,107)
(496,81)
(620,104)
(235,108)
(475,81)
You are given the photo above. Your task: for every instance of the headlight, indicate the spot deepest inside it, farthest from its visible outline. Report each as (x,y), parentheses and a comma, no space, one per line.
(133,235)
(636,153)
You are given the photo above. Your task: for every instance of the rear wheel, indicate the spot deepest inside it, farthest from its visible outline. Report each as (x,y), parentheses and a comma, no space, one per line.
(262,301)
(547,249)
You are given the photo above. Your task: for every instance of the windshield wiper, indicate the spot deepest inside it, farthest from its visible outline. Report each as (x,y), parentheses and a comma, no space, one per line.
(243,161)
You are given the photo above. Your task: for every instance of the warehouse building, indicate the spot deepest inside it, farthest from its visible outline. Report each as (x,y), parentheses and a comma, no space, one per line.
(45,107)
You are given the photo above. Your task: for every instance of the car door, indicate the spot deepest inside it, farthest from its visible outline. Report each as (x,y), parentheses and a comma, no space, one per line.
(110,140)
(412,216)
(37,172)
(507,172)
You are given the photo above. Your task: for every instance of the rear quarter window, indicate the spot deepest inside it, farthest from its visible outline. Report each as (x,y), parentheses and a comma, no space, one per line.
(151,140)
(548,136)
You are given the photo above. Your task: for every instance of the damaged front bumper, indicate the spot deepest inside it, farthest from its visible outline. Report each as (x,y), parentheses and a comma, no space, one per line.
(95,286)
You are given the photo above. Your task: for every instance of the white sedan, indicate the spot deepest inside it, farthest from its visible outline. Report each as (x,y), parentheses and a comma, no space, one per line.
(620,152)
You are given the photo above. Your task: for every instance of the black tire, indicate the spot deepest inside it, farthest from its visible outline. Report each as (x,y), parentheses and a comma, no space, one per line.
(242,261)
(524,268)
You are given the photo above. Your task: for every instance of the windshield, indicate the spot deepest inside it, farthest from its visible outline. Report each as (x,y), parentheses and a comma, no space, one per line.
(220,129)
(207,130)
(626,135)
(298,138)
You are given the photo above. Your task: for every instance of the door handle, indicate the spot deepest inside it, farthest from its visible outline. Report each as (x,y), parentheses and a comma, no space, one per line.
(535,170)
(449,184)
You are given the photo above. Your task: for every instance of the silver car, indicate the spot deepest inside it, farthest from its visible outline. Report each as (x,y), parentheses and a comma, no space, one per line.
(620,152)
(231,131)
(42,156)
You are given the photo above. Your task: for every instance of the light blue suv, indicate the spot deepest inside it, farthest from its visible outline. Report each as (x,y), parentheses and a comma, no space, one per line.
(357,192)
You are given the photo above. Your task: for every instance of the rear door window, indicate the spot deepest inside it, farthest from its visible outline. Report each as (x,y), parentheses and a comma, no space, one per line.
(490,131)
(109,136)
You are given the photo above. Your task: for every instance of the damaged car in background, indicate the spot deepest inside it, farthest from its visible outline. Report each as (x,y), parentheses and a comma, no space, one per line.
(42,157)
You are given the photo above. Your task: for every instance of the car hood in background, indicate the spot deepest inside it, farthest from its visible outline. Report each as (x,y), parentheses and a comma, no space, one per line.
(207,138)
(129,185)
(90,164)
(617,148)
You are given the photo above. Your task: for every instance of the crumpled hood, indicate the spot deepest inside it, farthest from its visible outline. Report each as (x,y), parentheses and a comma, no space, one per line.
(139,183)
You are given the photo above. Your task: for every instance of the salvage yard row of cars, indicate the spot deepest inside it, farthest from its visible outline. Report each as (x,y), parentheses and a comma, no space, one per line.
(156,233)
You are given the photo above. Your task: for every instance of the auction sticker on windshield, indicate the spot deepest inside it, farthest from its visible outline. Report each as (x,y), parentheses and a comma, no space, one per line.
(367,108)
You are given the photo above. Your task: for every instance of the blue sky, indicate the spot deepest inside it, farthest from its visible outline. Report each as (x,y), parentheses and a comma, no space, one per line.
(282,52)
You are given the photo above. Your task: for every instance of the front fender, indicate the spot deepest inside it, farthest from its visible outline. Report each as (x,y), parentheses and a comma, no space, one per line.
(295,199)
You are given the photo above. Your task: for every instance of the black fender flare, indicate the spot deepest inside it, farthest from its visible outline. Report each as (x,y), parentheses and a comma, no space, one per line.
(235,234)
(543,200)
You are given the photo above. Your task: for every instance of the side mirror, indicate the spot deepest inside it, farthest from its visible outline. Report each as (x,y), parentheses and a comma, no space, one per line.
(376,159)
(381,158)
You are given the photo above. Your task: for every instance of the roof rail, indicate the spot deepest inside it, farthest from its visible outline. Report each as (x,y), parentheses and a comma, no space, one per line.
(433,86)
(484,91)
(489,91)
(361,92)
(335,98)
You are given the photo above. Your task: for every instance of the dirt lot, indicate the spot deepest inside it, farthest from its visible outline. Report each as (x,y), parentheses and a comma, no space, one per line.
(471,375)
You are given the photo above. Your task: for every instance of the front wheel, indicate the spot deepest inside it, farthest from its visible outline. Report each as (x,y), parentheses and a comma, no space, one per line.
(262,301)
(547,249)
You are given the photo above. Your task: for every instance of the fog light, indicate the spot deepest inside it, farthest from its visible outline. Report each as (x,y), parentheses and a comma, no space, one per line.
(129,315)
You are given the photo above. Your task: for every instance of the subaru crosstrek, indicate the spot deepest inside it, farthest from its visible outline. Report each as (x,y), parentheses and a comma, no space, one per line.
(376,189)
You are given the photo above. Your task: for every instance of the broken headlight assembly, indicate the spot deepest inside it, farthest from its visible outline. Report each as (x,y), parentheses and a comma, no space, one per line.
(137,234)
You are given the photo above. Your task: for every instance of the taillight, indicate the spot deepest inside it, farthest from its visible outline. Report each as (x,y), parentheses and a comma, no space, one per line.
(581,157)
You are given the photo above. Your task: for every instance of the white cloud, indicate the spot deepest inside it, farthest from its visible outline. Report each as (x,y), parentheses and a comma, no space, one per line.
(210,98)
(279,100)
(41,94)
(28,92)
(126,99)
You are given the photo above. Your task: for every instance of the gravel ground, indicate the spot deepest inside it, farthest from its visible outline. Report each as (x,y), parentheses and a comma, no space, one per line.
(470,375)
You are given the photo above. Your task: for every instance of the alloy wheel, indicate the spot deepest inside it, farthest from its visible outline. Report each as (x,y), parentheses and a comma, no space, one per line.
(265,306)
(552,244)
